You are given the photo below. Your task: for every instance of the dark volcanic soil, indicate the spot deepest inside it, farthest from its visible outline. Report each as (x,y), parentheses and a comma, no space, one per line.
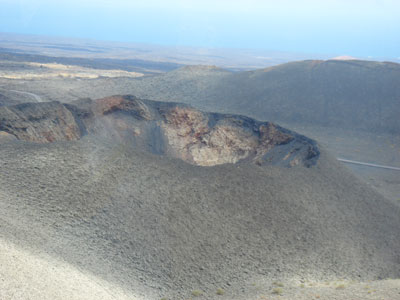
(163,200)
(161,227)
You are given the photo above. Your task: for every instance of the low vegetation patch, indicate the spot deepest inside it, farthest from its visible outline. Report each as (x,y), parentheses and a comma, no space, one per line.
(197,293)
(280,284)
(341,287)
(220,292)
(277,291)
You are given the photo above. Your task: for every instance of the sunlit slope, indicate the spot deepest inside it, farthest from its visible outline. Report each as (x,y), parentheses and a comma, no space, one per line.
(36,276)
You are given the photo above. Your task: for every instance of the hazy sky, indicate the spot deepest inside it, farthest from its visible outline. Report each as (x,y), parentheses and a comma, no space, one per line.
(352,27)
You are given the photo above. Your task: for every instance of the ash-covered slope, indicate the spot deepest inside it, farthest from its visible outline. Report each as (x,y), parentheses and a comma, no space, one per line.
(4,100)
(158,226)
(344,94)
(164,128)
(161,227)
(341,94)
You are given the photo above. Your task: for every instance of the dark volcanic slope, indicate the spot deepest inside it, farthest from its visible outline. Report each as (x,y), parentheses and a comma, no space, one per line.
(347,94)
(163,227)
(4,100)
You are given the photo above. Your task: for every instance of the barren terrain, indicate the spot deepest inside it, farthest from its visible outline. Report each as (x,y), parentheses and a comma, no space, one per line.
(148,224)
(153,58)
(124,198)
(33,70)
(208,88)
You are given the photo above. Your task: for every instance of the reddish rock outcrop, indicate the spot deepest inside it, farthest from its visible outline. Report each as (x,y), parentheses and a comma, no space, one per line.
(112,104)
(39,122)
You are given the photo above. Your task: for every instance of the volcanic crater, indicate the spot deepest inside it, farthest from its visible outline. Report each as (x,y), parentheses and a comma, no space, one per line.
(172,129)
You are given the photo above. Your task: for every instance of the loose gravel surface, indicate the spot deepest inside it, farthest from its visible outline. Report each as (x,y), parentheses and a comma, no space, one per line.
(158,227)
(94,220)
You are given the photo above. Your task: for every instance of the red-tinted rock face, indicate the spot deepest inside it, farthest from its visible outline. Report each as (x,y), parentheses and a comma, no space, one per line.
(4,136)
(39,122)
(112,104)
(193,140)
(172,129)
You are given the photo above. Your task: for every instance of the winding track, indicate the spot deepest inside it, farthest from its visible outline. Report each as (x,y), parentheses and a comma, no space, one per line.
(34,96)
(367,164)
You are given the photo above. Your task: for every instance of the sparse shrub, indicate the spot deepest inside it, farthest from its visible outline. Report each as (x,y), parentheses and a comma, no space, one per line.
(220,292)
(341,287)
(280,284)
(197,293)
(277,291)
(302,285)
